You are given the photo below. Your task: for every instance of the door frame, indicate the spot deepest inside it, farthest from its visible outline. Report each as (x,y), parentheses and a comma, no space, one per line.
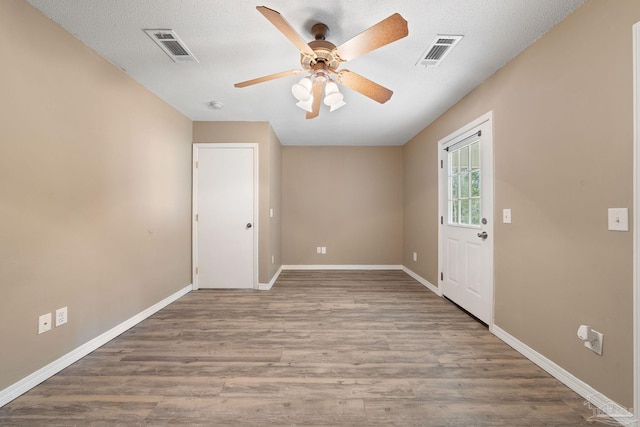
(194,207)
(442,190)
(636,218)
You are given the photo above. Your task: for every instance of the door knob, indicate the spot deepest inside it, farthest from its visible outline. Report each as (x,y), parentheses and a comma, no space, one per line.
(483,235)
(249,225)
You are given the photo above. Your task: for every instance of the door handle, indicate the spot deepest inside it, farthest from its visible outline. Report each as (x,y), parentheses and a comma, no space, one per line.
(483,235)
(249,225)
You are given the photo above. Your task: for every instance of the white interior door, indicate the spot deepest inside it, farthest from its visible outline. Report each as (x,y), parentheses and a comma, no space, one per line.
(466,208)
(225,238)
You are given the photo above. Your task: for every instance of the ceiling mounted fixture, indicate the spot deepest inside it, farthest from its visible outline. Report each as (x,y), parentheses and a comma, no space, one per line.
(171,44)
(320,60)
(440,47)
(216,105)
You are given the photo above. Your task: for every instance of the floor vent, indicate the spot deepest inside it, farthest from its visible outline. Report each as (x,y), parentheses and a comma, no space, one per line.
(171,44)
(438,50)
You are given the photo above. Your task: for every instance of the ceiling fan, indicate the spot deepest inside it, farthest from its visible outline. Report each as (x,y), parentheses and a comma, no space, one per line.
(320,60)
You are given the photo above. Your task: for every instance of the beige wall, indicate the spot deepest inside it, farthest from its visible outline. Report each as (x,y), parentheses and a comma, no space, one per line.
(348,199)
(563,155)
(95,183)
(269,181)
(275,203)
(95,179)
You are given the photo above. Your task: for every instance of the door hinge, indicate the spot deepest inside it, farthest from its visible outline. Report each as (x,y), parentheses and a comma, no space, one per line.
(197,165)
(441,220)
(441,276)
(441,164)
(197,270)
(197,217)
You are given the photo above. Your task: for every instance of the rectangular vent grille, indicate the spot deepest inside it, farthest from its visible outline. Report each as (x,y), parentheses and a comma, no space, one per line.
(438,50)
(171,44)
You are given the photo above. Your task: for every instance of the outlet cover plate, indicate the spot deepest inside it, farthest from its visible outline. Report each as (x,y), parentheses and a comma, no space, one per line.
(595,345)
(61,316)
(44,323)
(619,219)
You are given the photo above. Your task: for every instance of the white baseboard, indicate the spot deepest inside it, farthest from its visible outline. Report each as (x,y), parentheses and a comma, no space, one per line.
(592,396)
(433,288)
(27,383)
(342,267)
(268,286)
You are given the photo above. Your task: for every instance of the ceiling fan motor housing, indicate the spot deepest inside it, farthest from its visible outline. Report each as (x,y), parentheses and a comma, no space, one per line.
(325,53)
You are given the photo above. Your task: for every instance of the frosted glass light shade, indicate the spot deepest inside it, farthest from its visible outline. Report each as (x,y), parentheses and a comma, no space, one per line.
(334,107)
(306,105)
(332,95)
(302,89)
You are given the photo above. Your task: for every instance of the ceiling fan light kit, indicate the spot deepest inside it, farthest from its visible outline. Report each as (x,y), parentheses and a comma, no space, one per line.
(320,59)
(302,89)
(306,105)
(333,98)
(337,105)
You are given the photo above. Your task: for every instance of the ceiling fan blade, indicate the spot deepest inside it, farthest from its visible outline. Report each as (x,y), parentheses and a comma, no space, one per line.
(317,97)
(267,78)
(285,28)
(384,32)
(364,86)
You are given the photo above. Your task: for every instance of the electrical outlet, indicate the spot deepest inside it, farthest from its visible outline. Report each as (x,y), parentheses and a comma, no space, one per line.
(324,250)
(273,259)
(595,344)
(61,316)
(44,323)
(319,250)
(415,256)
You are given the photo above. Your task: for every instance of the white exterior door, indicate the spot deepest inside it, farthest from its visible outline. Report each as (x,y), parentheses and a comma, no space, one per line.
(225,238)
(466,221)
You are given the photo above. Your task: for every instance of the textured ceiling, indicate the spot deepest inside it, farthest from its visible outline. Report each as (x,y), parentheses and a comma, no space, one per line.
(234,43)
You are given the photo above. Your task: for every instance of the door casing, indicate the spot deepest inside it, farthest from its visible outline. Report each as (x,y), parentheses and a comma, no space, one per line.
(636,218)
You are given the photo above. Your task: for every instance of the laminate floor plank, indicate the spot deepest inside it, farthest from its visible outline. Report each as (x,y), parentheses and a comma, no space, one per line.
(322,348)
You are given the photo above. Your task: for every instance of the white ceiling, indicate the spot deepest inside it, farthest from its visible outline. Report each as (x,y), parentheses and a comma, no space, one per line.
(234,43)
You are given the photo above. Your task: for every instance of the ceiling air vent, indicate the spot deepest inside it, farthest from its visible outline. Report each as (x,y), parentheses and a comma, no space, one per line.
(438,50)
(171,44)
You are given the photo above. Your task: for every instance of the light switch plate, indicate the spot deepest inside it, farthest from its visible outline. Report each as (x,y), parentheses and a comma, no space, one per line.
(619,219)
(506,216)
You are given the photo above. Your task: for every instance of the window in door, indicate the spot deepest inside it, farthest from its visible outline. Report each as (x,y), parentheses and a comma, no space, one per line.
(464,185)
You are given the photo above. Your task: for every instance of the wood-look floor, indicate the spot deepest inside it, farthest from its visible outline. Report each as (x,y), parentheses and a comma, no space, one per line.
(330,348)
